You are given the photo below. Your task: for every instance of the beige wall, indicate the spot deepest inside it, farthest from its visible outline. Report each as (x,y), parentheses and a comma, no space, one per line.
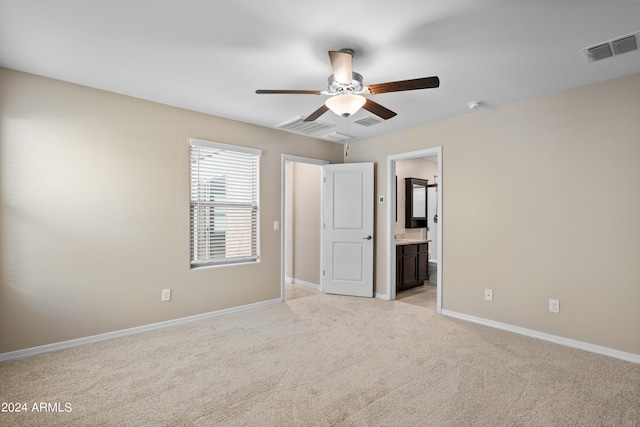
(288,221)
(411,168)
(306,222)
(541,199)
(94,213)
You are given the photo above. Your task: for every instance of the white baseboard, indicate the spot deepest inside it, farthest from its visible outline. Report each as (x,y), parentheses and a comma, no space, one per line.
(130,331)
(382,296)
(593,348)
(304,283)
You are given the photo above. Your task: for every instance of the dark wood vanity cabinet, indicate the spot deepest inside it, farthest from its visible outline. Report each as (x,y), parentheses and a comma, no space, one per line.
(412,265)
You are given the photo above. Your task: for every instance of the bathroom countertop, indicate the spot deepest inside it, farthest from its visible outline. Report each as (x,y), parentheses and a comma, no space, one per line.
(400,242)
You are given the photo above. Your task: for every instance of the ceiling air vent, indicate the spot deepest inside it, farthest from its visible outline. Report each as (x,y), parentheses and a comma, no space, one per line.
(625,44)
(612,47)
(369,121)
(297,124)
(597,53)
(336,137)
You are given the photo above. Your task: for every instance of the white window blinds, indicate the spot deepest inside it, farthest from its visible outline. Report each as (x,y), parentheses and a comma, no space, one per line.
(224,203)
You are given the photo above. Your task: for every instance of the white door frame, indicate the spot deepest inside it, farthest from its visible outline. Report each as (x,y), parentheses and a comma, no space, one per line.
(391,209)
(283,180)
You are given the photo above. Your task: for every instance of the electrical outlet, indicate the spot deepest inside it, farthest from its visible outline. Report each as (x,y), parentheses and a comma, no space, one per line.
(554,306)
(166,295)
(488,294)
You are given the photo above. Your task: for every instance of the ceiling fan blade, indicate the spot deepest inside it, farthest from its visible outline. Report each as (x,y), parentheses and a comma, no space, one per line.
(320,111)
(289,92)
(378,110)
(342,64)
(399,86)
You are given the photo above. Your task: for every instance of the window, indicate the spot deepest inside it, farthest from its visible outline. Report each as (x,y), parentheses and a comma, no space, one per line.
(224,203)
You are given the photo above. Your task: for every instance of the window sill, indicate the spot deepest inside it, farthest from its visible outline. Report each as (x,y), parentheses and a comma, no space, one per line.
(230,264)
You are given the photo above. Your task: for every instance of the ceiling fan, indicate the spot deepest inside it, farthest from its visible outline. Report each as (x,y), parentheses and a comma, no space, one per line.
(346,89)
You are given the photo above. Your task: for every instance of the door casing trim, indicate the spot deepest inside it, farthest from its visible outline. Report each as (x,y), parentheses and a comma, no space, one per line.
(391,208)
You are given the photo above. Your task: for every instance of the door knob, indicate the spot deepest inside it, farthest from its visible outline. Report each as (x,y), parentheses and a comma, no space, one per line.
(367,238)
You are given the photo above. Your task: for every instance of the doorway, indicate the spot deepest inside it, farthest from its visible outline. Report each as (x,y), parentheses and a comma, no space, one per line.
(301,230)
(334,235)
(434,154)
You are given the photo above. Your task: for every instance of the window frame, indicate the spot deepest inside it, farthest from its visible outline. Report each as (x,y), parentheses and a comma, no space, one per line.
(219,262)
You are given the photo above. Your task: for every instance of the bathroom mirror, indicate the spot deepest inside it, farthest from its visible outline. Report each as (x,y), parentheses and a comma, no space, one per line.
(419,205)
(415,202)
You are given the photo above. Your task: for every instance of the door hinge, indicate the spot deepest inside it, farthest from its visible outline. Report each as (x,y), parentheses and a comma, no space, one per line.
(323,272)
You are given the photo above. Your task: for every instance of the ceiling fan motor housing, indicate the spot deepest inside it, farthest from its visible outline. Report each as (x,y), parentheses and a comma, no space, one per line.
(355,86)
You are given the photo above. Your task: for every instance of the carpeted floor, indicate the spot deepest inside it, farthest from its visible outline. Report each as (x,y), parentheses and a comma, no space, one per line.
(324,360)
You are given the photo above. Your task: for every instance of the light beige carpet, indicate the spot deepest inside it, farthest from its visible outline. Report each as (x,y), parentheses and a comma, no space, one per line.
(325,360)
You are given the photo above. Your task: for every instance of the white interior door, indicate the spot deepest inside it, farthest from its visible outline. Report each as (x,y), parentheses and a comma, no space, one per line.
(348,229)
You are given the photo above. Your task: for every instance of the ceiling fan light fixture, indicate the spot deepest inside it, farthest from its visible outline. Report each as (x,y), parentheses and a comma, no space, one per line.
(345,105)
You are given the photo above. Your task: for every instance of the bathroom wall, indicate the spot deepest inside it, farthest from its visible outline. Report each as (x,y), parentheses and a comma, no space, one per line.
(411,168)
(432,226)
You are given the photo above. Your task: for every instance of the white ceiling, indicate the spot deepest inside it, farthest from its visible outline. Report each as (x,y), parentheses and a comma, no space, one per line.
(211,55)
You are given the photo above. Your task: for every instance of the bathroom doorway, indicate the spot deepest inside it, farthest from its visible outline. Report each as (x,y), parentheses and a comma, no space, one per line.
(427,162)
